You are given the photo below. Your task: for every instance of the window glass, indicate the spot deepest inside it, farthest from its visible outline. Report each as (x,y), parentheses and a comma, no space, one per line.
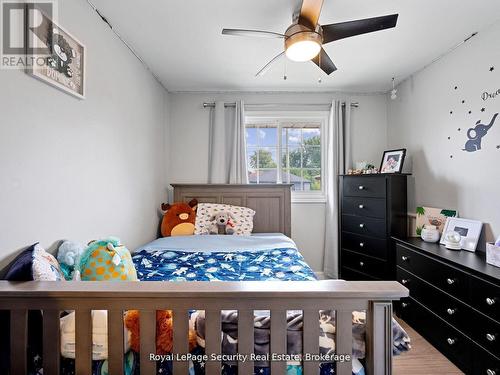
(286,152)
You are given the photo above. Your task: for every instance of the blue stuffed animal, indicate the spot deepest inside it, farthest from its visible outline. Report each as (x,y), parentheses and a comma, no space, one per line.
(68,255)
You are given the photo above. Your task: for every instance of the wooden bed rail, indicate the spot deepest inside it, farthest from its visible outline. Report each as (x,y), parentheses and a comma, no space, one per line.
(278,297)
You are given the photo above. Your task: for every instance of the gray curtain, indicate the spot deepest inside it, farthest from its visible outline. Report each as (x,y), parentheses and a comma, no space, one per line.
(338,143)
(227,145)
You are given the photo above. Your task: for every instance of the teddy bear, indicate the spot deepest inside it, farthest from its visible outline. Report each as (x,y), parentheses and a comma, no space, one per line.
(222,223)
(178,218)
(164,331)
(68,256)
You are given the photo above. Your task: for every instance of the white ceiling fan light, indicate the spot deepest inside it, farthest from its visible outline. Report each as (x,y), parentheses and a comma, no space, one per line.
(304,50)
(301,44)
(394,91)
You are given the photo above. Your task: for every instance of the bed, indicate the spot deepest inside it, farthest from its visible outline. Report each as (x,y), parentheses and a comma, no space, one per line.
(242,264)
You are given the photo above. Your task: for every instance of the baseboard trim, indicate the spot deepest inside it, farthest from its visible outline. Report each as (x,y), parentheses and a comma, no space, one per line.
(320,275)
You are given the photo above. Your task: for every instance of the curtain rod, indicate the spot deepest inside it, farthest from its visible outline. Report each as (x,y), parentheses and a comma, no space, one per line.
(226,105)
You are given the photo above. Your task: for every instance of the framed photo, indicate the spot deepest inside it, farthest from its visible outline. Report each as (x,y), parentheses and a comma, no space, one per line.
(392,161)
(470,230)
(432,216)
(64,65)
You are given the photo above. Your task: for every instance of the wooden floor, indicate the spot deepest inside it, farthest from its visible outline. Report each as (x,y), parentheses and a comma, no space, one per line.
(422,359)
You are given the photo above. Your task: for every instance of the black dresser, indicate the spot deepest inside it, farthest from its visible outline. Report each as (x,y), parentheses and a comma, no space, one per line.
(454,303)
(373,208)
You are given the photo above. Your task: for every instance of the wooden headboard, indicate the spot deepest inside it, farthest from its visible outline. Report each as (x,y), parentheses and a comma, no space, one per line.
(271,203)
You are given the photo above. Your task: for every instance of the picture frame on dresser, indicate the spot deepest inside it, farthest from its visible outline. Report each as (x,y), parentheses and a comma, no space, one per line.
(392,161)
(469,230)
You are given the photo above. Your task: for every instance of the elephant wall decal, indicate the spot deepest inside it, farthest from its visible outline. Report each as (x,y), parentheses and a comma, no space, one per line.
(476,135)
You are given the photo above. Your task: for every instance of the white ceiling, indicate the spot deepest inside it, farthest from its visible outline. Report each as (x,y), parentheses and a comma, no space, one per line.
(182,43)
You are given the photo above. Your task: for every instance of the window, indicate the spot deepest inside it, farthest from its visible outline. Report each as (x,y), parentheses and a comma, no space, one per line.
(287,149)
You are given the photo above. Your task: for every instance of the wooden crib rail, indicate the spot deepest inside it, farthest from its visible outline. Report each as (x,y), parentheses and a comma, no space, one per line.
(278,297)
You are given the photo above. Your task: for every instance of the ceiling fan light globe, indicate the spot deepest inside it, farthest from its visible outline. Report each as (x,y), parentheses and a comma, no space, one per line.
(394,94)
(303,50)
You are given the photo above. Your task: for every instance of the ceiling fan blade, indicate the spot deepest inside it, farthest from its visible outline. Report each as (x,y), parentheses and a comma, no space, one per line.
(296,11)
(268,65)
(343,30)
(309,13)
(252,33)
(324,62)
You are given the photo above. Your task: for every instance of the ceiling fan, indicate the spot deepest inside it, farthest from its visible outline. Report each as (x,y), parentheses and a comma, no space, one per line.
(305,38)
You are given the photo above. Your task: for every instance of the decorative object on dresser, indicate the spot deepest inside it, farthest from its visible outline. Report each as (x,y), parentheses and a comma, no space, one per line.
(469,230)
(432,216)
(373,208)
(454,303)
(493,253)
(430,233)
(452,240)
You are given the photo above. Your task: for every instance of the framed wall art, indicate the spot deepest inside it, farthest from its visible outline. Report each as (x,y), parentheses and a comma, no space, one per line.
(61,61)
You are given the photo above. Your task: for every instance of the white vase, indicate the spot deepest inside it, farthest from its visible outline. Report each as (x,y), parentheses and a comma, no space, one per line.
(430,233)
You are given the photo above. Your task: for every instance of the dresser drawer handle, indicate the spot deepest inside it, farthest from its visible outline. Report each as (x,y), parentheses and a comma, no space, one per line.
(450,341)
(361,225)
(451,281)
(405,258)
(405,281)
(491,372)
(361,187)
(361,244)
(451,311)
(361,264)
(404,304)
(491,301)
(361,206)
(491,337)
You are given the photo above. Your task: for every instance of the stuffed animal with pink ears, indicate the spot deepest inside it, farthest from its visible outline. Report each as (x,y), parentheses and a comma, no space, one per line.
(222,223)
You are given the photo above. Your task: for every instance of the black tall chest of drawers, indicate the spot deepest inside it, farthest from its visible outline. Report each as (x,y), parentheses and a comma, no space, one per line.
(372,209)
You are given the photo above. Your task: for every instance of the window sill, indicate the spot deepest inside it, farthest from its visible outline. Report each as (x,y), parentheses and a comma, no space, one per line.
(308,198)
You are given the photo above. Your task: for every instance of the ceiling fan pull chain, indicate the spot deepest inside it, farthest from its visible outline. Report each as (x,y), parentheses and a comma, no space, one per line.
(319,60)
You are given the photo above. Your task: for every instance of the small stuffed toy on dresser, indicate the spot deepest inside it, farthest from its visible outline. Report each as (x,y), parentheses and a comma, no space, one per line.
(222,223)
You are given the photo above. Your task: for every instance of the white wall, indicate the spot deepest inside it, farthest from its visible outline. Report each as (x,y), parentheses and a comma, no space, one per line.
(420,120)
(189,149)
(82,169)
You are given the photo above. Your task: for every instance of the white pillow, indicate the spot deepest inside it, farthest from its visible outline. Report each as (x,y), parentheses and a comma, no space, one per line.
(45,266)
(243,218)
(99,335)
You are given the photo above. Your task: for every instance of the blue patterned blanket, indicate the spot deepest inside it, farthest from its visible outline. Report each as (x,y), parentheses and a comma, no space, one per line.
(167,265)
